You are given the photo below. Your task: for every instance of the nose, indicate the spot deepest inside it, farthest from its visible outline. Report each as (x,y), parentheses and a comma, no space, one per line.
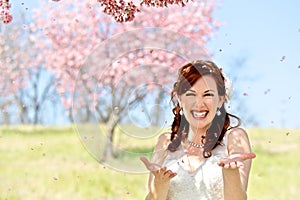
(199,101)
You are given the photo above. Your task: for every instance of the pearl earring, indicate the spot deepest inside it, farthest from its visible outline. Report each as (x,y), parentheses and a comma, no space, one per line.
(218,112)
(181,111)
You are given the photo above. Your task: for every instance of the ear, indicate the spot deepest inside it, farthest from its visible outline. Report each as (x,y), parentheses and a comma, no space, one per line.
(221,101)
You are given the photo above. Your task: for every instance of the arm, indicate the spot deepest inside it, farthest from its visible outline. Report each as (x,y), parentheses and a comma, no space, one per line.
(237,166)
(159,178)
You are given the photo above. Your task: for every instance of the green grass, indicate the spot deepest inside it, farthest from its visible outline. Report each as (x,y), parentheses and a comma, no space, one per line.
(52,163)
(275,171)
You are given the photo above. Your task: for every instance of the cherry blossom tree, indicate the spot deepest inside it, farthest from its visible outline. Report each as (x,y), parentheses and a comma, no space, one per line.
(120,10)
(68,37)
(5,15)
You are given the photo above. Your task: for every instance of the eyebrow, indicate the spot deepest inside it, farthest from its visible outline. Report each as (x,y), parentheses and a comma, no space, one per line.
(206,91)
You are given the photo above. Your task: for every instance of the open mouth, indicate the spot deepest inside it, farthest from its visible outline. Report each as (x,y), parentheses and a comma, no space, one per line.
(199,114)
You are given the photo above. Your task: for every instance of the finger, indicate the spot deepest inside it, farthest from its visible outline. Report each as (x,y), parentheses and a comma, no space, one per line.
(226,165)
(168,172)
(244,156)
(172,175)
(233,165)
(163,170)
(222,161)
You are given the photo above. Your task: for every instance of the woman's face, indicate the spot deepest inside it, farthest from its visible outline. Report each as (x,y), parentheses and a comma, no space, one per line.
(200,103)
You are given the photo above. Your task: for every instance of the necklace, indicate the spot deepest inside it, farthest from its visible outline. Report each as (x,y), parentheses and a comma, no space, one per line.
(200,146)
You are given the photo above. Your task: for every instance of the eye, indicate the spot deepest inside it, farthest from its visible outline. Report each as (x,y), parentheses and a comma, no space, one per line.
(209,95)
(189,94)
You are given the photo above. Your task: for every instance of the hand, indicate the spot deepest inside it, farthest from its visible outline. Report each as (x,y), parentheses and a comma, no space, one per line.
(160,173)
(235,160)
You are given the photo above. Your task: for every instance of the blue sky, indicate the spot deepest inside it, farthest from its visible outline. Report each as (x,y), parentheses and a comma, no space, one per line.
(262,33)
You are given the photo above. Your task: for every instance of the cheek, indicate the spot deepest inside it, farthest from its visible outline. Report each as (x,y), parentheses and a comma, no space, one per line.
(212,102)
(187,101)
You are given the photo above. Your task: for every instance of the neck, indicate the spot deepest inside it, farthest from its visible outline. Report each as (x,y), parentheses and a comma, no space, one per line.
(196,136)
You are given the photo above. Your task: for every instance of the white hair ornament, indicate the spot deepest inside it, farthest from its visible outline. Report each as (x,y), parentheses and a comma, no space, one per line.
(228,88)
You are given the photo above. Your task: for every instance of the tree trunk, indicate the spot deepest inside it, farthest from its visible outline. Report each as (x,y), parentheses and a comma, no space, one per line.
(111,125)
(158,101)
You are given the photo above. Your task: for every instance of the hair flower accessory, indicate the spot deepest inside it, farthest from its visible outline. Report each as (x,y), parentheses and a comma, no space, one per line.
(228,88)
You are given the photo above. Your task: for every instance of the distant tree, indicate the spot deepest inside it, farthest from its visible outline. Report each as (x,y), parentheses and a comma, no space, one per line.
(13,69)
(25,84)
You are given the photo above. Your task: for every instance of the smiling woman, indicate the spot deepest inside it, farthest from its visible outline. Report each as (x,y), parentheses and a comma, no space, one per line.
(204,157)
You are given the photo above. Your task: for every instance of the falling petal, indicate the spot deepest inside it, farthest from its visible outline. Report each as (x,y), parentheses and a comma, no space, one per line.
(287,133)
(282,58)
(267,91)
(54,178)
(245,94)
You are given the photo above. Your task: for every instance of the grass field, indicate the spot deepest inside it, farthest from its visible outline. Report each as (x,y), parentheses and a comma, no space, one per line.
(52,163)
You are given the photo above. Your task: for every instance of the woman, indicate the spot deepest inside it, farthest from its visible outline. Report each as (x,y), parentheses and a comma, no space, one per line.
(204,157)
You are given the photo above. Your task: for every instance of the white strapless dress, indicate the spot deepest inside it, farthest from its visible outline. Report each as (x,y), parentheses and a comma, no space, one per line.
(205,183)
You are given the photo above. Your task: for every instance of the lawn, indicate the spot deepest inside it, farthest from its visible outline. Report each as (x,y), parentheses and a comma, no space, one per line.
(52,163)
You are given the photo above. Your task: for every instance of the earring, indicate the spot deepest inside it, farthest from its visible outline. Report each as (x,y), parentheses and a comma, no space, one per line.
(181,111)
(218,112)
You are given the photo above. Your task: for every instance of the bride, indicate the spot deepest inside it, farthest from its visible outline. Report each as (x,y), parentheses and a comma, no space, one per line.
(203,157)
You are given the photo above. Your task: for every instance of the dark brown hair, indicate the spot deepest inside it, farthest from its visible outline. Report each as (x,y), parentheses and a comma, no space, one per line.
(187,77)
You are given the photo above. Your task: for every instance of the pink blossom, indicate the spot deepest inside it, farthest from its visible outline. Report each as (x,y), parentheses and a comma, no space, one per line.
(5,15)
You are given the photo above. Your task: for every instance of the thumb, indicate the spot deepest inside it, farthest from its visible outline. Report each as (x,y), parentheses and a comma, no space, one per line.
(145,161)
(149,166)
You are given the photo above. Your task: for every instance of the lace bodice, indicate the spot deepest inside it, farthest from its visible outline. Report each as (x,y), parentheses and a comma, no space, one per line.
(205,183)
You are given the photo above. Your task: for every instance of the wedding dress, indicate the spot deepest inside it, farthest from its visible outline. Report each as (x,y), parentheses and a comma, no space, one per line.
(204,183)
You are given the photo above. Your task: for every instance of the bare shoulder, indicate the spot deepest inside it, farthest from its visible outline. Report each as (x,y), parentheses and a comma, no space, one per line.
(238,140)
(237,132)
(163,141)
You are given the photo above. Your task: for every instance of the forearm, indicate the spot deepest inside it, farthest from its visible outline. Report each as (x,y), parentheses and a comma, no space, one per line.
(233,189)
(158,191)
